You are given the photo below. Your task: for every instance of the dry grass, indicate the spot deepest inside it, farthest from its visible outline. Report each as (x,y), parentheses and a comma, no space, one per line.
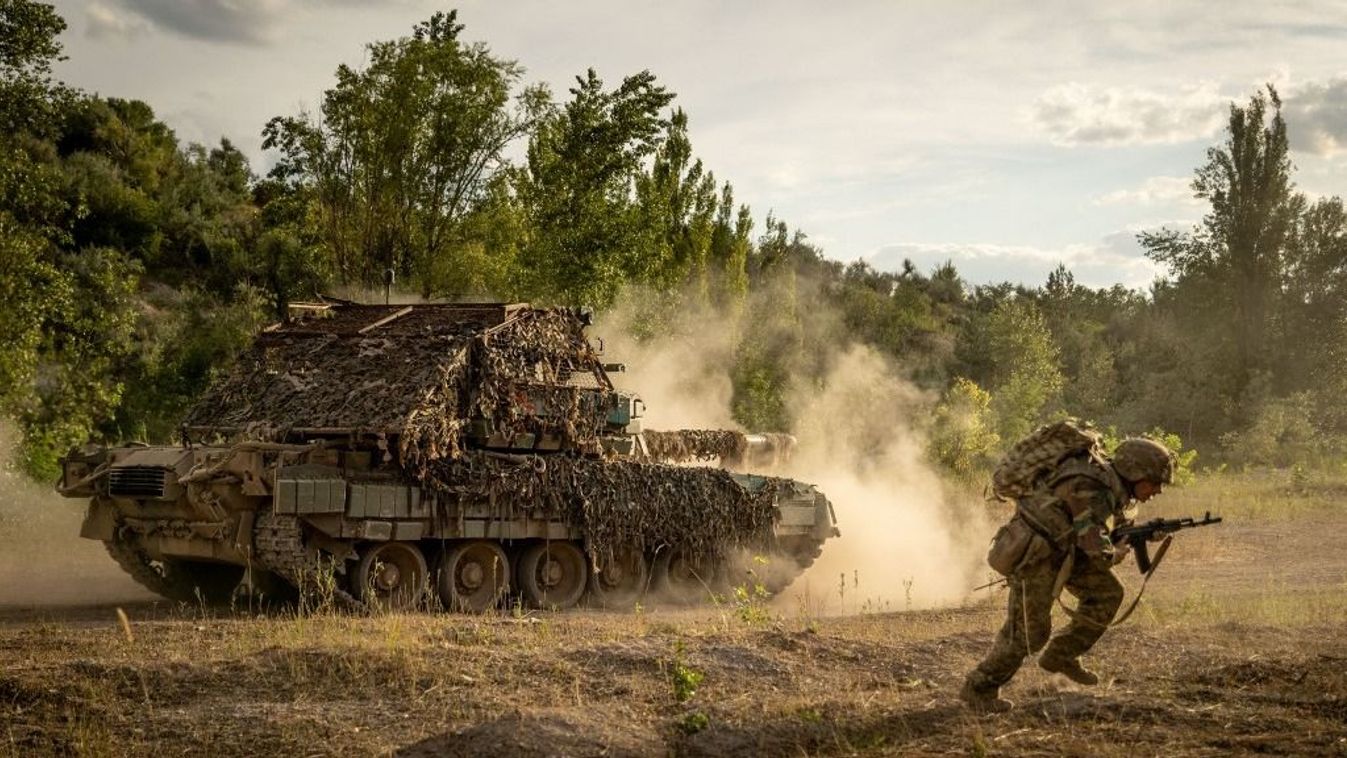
(1239,647)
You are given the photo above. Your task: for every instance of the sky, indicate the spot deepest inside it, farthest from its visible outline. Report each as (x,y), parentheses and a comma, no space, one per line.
(1006,137)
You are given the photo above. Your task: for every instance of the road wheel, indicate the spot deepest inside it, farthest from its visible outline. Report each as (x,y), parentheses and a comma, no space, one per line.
(682,578)
(473,576)
(553,574)
(390,575)
(621,580)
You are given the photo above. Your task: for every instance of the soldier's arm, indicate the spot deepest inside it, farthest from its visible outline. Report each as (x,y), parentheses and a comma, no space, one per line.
(1090,505)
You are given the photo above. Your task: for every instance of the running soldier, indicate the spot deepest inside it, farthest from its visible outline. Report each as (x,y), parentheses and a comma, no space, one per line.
(1073,508)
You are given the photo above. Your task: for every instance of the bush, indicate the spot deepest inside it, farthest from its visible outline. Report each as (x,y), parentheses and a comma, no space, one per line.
(1285,431)
(963,439)
(1183,459)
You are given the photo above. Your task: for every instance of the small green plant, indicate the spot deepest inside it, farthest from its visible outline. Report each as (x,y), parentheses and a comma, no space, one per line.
(694,722)
(318,589)
(685,678)
(810,715)
(750,598)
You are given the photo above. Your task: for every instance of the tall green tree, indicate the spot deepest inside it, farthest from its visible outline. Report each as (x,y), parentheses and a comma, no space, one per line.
(1233,261)
(403,150)
(1078,319)
(677,203)
(585,236)
(1314,312)
(731,241)
(30,99)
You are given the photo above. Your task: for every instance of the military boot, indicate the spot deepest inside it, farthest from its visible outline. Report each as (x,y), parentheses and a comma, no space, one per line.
(983,700)
(1069,668)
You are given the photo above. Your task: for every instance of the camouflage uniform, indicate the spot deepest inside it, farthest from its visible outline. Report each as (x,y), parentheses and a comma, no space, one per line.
(1077,506)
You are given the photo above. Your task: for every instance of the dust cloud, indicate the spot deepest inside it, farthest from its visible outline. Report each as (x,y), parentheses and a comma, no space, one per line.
(43,560)
(908,540)
(683,379)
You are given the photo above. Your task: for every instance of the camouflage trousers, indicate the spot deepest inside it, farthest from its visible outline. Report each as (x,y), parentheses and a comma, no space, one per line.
(1029,618)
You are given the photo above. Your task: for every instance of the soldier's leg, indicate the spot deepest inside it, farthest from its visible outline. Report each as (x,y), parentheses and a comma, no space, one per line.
(1025,631)
(1100,593)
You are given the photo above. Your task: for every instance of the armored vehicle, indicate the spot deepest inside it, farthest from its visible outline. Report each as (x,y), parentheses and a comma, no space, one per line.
(387,455)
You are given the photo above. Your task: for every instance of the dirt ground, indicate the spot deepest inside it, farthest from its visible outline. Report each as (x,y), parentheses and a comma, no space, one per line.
(1239,647)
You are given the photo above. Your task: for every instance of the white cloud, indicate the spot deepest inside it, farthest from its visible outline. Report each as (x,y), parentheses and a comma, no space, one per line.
(1155,191)
(1316,117)
(1076,114)
(1116,259)
(239,21)
(107,22)
(234,21)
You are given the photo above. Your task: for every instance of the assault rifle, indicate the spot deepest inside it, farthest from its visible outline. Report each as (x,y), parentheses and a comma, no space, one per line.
(1137,535)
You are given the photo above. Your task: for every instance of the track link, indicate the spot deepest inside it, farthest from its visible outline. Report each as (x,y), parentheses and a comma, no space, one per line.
(278,546)
(138,565)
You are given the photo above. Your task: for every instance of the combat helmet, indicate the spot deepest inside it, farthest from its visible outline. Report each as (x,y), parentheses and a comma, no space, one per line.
(1141,458)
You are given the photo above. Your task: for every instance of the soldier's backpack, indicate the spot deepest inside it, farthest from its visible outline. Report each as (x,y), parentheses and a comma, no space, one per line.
(1036,456)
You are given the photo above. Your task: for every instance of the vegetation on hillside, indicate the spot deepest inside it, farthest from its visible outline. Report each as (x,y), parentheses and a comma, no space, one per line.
(133,267)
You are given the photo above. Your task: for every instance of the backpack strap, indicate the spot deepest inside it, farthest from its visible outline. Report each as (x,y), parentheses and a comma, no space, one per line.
(1055,540)
(1092,465)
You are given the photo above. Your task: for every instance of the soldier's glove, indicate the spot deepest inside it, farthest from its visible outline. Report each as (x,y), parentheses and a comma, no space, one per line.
(1120,553)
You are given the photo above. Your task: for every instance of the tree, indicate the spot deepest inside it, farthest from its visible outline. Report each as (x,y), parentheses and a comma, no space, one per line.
(86,335)
(28,284)
(1078,319)
(1235,257)
(1016,360)
(676,201)
(404,150)
(29,45)
(1314,313)
(584,234)
(730,245)
(769,357)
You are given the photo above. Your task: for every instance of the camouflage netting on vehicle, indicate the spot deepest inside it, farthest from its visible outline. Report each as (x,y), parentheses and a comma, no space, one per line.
(621,504)
(535,374)
(416,372)
(687,445)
